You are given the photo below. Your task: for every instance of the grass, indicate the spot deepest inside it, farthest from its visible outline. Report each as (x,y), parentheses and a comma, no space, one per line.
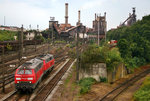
(143,94)
(68,80)
(7,35)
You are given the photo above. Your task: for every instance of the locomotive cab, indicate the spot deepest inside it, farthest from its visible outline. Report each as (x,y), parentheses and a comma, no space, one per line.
(29,74)
(25,79)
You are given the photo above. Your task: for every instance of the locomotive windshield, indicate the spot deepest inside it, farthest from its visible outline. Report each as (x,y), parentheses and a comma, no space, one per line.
(24,71)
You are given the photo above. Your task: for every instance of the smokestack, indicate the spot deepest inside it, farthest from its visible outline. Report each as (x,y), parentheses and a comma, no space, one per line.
(79,16)
(66,13)
(95,16)
(105,15)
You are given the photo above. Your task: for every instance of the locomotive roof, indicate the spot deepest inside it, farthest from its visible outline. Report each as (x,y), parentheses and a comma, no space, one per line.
(31,64)
(45,56)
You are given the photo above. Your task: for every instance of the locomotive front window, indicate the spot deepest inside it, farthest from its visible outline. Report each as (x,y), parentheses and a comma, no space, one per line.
(28,71)
(20,71)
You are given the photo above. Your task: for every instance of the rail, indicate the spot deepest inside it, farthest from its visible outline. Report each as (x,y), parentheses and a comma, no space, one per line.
(118,90)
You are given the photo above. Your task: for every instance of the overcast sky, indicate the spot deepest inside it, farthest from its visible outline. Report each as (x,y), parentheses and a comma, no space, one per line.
(35,12)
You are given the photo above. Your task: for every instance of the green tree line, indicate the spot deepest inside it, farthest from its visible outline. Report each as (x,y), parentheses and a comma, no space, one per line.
(133,42)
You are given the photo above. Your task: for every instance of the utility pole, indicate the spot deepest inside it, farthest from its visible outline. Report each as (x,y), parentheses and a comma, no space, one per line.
(52,34)
(30,26)
(77,52)
(105,26)
(20,38)
(52,19)
(36,33)
(49,40)
(98,31)
(105,30)
(4,21)
(84,30)
(3,90)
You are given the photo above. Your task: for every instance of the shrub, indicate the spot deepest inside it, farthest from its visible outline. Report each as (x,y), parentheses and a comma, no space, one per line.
(113,58)
(40,38)
(72,53)
(103,79)
(9,47)
(68,45)
(85,84)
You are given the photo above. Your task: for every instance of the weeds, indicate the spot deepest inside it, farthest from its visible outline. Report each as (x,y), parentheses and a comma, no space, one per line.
(85,84)
(143,94)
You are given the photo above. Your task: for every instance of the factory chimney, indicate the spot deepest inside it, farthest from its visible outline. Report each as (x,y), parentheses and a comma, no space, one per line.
(95,16)
(66,13)
(79,16)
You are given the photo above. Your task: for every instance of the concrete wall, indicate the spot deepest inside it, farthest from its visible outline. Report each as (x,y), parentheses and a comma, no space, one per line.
(96,71)
(99,70)
(119,72)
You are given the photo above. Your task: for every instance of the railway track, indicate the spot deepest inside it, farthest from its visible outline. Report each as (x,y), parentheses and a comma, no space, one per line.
(16,96)
(112,95)
(47,89)
(9,78)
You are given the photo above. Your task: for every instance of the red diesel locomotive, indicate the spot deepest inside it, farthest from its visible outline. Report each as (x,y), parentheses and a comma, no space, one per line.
(28,75)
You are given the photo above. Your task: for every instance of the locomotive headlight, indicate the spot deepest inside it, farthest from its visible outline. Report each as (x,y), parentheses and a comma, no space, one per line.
(30,78)
(18,78)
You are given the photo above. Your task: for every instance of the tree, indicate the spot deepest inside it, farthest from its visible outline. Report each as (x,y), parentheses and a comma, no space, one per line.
(123,46)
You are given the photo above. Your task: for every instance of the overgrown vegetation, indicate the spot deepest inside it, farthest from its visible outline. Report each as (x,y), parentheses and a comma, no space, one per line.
(7,35)
(39,37)
(133,42)
(72,53)
(143,94)
(85,84)
(104,54)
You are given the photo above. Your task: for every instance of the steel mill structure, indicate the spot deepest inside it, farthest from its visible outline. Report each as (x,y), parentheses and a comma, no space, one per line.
(66,31)
(130,20)
(99,27)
